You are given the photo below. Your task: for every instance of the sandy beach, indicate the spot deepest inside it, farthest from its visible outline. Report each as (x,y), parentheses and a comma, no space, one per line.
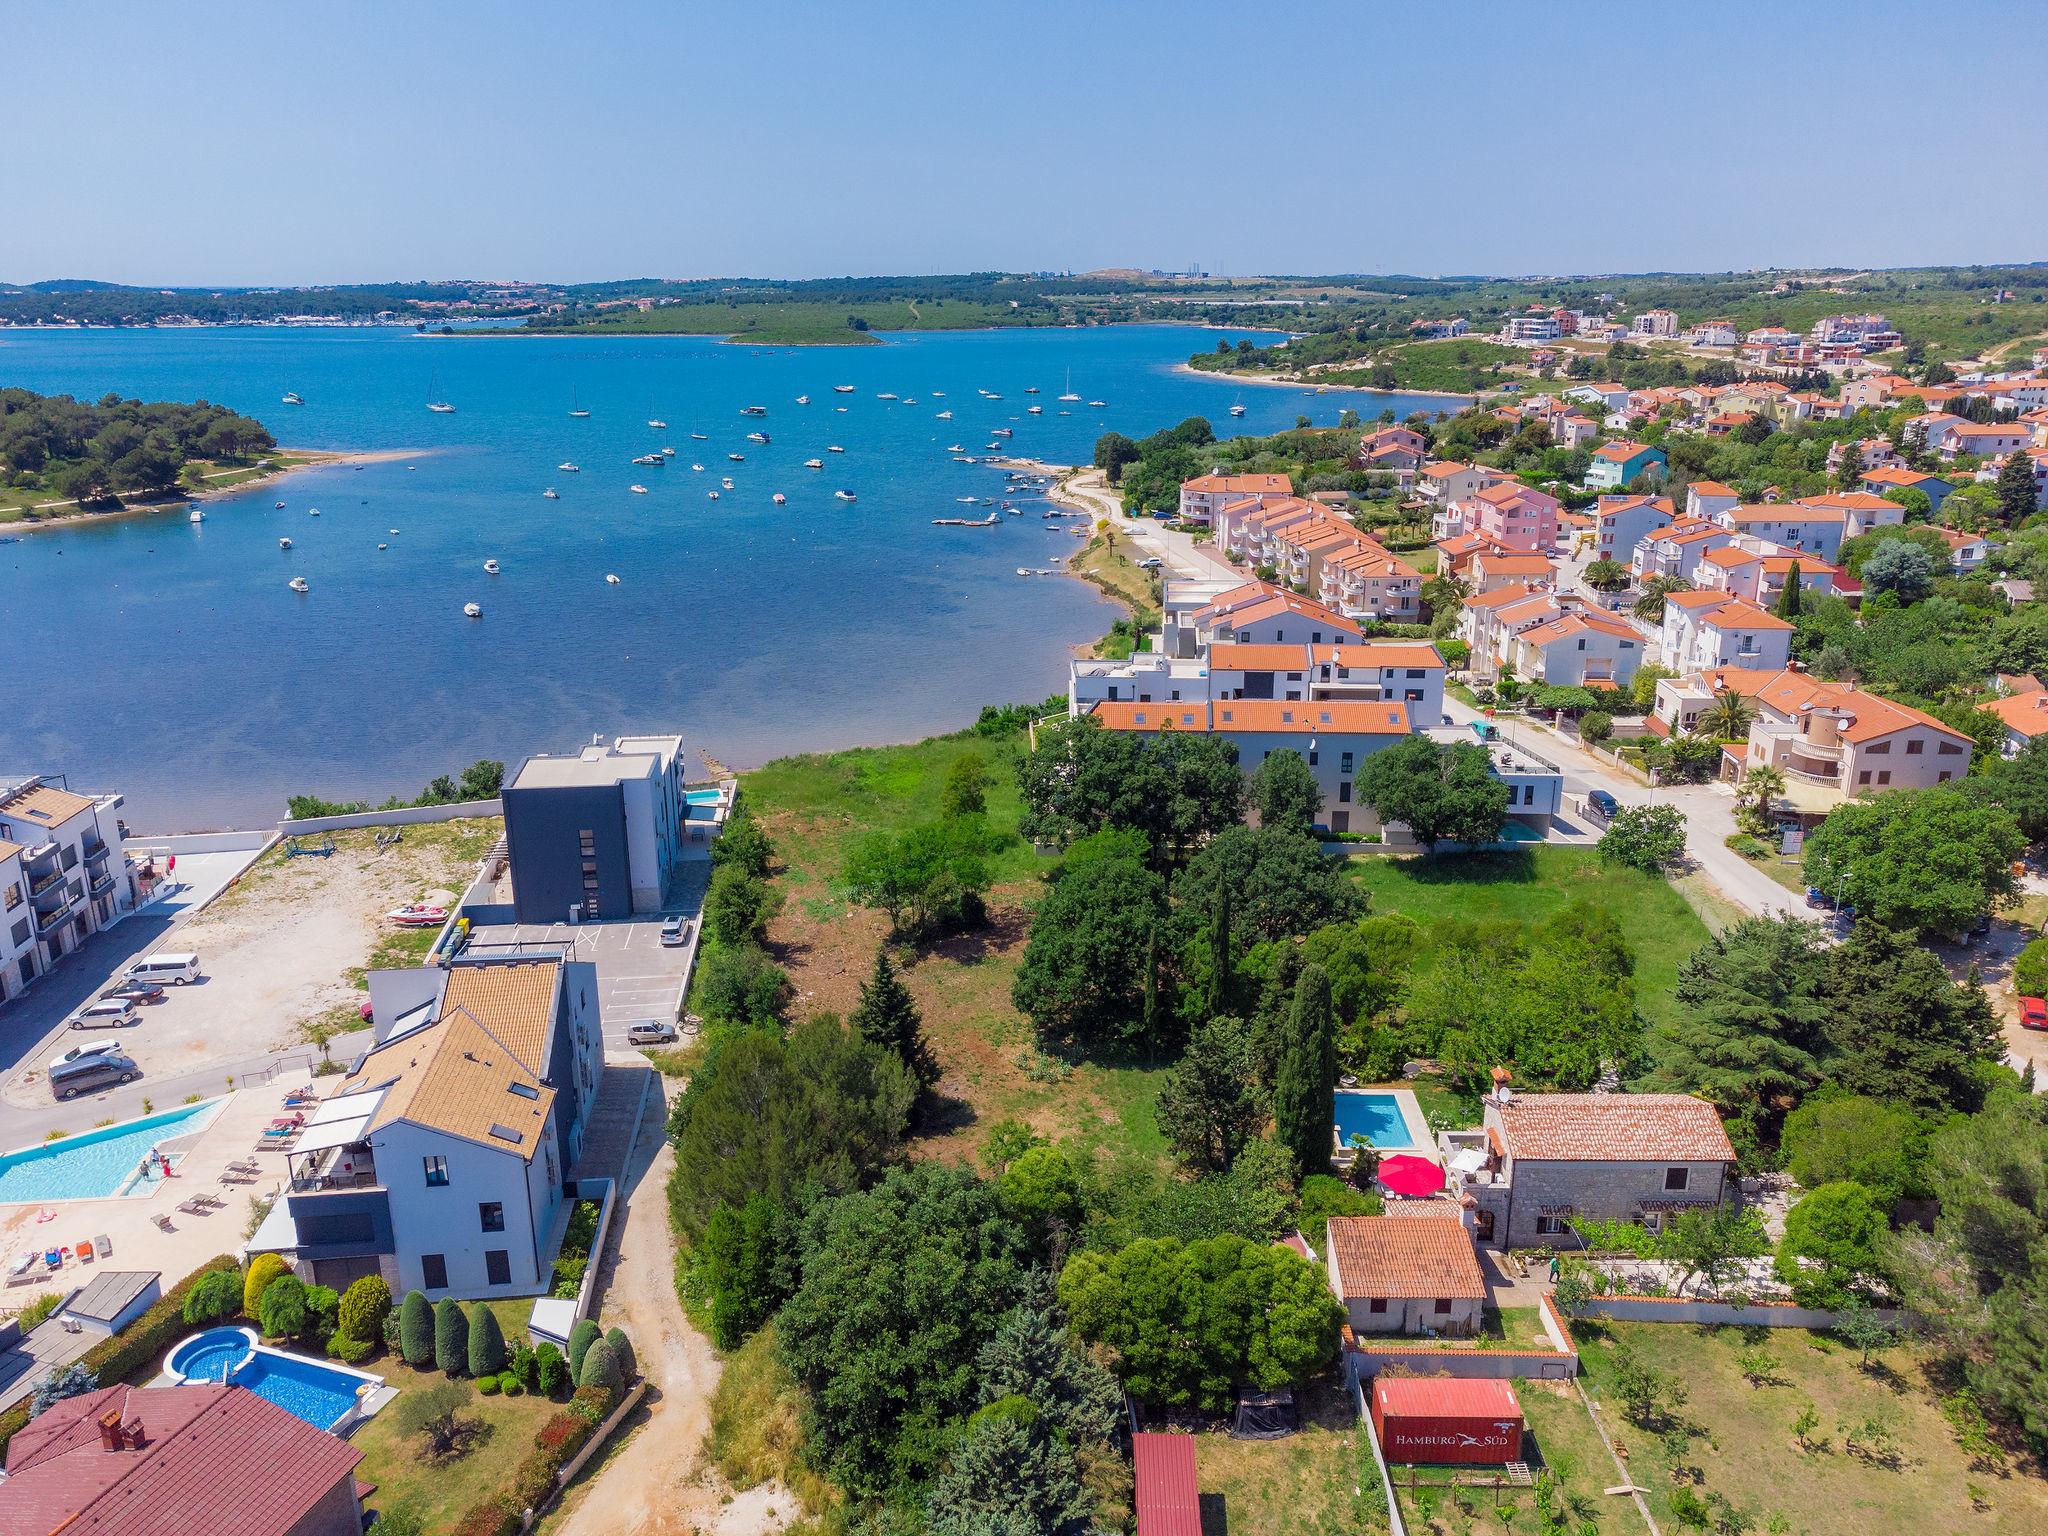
(302,459)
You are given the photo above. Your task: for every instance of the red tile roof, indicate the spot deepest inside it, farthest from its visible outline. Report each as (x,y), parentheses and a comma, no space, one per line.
(219,1460)
(1335,717)
(1614,1128)
(1391,1256)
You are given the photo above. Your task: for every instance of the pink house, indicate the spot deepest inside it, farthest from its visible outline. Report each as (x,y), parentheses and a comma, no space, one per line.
(1515,516)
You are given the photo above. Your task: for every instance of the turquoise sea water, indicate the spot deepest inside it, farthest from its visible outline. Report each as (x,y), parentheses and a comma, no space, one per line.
(92,1164)
(169,661)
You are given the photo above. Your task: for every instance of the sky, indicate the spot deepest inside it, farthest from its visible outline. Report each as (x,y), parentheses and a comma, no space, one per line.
(358,140)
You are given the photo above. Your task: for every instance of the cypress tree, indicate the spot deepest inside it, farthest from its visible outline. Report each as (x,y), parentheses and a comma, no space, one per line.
(416,1330)
(451,1336)
(2016,496)
(581,1337)
(1219,953)
(888,1017)
(1790,600)
(1155,1012)
(1304,1106)
(486,1343)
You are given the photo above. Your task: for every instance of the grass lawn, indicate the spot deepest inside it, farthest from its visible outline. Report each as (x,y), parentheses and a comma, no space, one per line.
(1303,1485)
(1737,1440)
(1529,885)
(441,1491)
(813,808)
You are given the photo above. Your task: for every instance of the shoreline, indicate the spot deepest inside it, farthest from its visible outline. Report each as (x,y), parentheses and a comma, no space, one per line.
(304,459)
(1301,381)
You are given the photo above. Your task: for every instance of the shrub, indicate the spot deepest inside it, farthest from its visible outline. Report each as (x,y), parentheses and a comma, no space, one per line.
(524,1366)
(508,1383)
(217,1295)
(263,1269)
(563,1435)
(486,1343)
(550,1371)
(2030,970)
(282,1312)
(416,1330)
(451,1336)
(493,1517)
(592,1403)
(600,1368)
(622,1351)
(364,1306)
(350,1351)
(488,1385)
(393,1334)
(581,1337)
(323,1306)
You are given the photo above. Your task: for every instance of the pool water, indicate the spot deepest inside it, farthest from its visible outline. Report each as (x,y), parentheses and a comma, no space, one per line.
(95,1164)
(703,796)
(308,1390)
(1376,1115)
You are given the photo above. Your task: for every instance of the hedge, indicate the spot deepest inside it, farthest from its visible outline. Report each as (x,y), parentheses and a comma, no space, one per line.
(533,1483)
(263,1269)
(493,1517)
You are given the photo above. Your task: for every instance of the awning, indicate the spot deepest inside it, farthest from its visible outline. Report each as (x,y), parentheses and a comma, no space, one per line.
(319,1137)
(1471,1160)
(347,1106)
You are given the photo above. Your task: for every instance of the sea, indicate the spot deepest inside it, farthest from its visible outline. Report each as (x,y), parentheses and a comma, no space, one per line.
(169,660)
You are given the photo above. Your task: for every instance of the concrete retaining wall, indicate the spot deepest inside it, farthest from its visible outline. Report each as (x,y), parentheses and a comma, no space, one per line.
(1755,1314)
(417,815)
(591,1447)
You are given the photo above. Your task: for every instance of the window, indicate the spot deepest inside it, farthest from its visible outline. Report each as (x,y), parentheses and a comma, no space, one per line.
(1377,1306)
(490,1215)
(1313,757)
(13,897)
(1884,776)
(434,1271)
(21,932)
(1344,793)
(70,857)
(1441,1306)
(437,1172)
(1915,747)
(1879,749)
(1549,1226)
(1863,777)
(1344,762)
(497,1266)
(1676,1179)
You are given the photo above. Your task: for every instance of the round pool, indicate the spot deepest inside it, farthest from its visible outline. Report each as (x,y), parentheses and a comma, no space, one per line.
(211,1355)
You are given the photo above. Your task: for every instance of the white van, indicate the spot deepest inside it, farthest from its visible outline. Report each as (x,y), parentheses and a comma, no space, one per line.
(175,969)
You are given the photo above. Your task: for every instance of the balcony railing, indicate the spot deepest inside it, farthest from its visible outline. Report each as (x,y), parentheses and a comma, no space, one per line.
(38,887)
(48,923)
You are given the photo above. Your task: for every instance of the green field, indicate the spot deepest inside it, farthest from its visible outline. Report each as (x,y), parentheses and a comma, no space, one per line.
(1528,885)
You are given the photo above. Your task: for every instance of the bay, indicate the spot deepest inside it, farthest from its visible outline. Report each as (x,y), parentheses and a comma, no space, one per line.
(169,661)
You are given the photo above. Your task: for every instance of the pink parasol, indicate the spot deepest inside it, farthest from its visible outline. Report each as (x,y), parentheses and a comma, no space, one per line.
(1405,1175)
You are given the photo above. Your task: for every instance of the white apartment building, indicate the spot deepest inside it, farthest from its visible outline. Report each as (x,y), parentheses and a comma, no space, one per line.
(1704,630)
(64,874)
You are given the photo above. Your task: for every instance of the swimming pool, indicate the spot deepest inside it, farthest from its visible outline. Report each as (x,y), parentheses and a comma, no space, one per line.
(703,796)
(95,1164)
(1375,1115)
(310,1390)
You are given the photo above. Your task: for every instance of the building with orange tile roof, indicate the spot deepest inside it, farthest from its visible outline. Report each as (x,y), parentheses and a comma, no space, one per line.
(1705,629)
(1202,497)
(1833,741)
(1896,477)
(1802,526)
(1405,1274)
(2025,716)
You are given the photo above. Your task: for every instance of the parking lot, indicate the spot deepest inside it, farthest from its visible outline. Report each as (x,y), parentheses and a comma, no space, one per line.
(637,976)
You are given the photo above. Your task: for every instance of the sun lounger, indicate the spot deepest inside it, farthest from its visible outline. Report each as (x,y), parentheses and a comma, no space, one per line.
(162,1221)
(84,1252)
(54,1259)
(195,1207)
(23,1269)
(105,1244)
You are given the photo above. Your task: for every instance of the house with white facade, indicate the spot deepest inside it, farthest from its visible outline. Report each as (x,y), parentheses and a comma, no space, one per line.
(1893,477)
(1706,500)
(2025,716)
(1674,553)
(1757,571)
(1706,629)
(1801,526)
(1413,1273)
(1205,495)
(64,873)
(1862,511)
(1620,523)
(1447,482)
(1832,741)
(1580,648)
(1492,568)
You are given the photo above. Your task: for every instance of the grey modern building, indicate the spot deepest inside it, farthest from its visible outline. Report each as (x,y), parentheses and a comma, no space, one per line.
(595,834)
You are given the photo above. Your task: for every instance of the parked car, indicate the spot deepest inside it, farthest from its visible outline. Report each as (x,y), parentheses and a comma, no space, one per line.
(1150,563)
(84,1049)
(90,1073)
(1604,803)
(2033,1013)
(175,968)
(675,933)
(136,991)
(650,1032)
(107,1013)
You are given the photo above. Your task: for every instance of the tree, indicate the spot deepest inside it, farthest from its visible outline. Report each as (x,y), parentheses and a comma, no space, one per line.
(1286,793)
(1219,949)
(1187,1323)
(1177,788)
(2019,785)
(601,1368)
(1304,1104)
(745,1264)
(1439,792)
(1604,575)
(1837,1137)
(483,779)
(902,1286)
(929,878)
(215,1296)
(1863,1330)
(887,1016)
(622,1351)
(451,1337)
(1650,606)
(966,788)
(486,1350)
(1038,1189)
(1901,569)
(1210,1104)
(263,1269)
(1079,977)
(1645,837)
(736,906)
(1280,882)
(282,1311)
(1830,1246)
(1707,1244)
(1011,1476)
(1728,717)
(1761,784)
(1030,1355)
(1791,597)
(1112,452)
(416,1330)
(433,1413)
(1750,1029)
(742,843)
(582,1334)
(364,1306)
(741,985)
(1931,861)
(2017,500)
(1595,727)
(1902,1031)
(61,1382)
(550,1371)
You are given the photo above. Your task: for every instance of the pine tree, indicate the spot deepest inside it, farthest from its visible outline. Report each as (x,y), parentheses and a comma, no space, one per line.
(1304,1106)
(1219,953)
(1156,1012)
(1789,600)
(887,1016)
(2016,496)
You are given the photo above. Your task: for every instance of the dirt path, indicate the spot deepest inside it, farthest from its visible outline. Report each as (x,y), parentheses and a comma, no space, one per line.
(659,1484)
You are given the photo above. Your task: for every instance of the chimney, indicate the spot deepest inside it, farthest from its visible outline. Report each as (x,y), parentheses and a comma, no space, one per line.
(110,1430)
(131,1433)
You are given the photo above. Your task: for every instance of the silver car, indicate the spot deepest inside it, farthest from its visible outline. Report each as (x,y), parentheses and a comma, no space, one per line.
(650,1032)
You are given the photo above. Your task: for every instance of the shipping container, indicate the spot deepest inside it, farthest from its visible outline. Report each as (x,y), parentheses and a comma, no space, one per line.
(1439,1419)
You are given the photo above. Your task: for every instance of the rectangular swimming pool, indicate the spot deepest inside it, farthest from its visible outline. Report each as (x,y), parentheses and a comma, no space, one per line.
(94,1164)
(1376,1115)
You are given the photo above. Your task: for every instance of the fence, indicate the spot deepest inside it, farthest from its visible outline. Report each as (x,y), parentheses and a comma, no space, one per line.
(413,816)
(1752,1314)
(202,842)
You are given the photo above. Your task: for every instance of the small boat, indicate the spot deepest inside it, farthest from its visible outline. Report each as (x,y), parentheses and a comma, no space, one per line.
(278,505)
(637,490)
(701,437)
(844,495)
(1030,389)
(737,458)
(1002,431)
(291,397)
(1034,410)
(780,498)
(611,581)
(938,394)
(196,516)
(726,481)
(299,584)
(753,410)
(419,914)
(912,400)
(668,453)
(945,416)
(312,511)
(885,395)
(757,437)
(472,610)
(842,389)
(284,543)
(834,448)
(712,494)
(568,469)
(966,501)
(383,546)
(953,448)
(814,463)
(994,396)
(840,409)
(491,567)
(552,494)
(657,423)
(1098,405)
(1069,396)
(1237,409)
(648,458)
(803,399)
(440,407)
(576,409)
(394,533)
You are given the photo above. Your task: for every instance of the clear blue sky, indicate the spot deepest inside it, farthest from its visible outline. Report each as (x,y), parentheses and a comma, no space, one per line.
(212,142)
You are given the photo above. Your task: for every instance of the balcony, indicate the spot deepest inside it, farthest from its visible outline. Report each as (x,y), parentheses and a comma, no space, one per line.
(334,1168)
(48,923)
(44,884)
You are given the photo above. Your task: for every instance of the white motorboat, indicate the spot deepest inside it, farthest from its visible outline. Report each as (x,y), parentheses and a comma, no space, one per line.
(299,584)
(726,481)
(844,495)
(440,407)
(668,453)
(1034,410)
(312,511)
(472,610)
(657,423)
(966,501)
(653,459)
(568,468)
(491,567)
(1002,431)
(284,543)
(737,458)
(196,516)
(1030,389)
(1098,405)
(753,410)
(757,437)
(953,448)
(779,498)
(945,416)
(702,437)
(611,581)
(291,397)
(552,494)
(712,494)
(803,399)
(885,395)
(814,463)
(278,505)
(383,546)
(834,448)
(637,490)
(842,389)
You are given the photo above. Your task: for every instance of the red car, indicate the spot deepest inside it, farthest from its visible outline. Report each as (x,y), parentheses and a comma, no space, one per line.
(2033,1013)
